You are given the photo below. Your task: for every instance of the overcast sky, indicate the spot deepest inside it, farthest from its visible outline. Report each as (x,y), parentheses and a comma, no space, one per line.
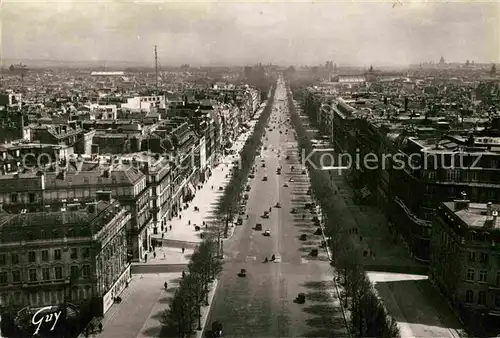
(357,32)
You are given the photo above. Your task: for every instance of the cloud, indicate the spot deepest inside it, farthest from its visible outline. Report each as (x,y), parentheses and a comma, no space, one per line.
(360,32)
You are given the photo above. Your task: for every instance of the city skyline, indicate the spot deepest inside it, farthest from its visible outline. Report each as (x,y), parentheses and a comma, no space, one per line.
(229,33)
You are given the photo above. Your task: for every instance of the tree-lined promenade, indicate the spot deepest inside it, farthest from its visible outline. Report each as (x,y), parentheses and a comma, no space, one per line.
(368,317)
(184,314)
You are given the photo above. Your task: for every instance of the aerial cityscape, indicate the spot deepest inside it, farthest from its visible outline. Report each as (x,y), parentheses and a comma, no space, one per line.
(249,169)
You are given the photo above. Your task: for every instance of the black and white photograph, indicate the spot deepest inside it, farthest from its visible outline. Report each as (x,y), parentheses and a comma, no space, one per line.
(260,169)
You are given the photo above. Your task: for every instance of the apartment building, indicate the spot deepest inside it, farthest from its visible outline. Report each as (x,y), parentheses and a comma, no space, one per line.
(465,258)
(421,162)
(75,257)
(126,182)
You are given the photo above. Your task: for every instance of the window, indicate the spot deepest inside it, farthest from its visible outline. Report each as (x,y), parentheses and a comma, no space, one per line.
(3,259)
(15,258)
(86,271)
(57,254)
(469,296)
(16,276)
(32,274)
(483,257)
(74,253)
(497,299)
(481,298)
(32,257)
(45,274)
(58,272)
(45,255)
(74,272)
(472,256)
(13,198)
(3,277)
(483,276)
(471,275)
(86,252)
(31,197)
(498,279)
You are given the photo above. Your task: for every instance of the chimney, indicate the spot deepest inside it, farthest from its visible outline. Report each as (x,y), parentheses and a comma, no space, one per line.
(104,196)
(463,203)
(91,208)
(489,209)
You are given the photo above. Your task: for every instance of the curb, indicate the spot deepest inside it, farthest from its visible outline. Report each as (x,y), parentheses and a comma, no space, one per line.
(211,296)
(328,253)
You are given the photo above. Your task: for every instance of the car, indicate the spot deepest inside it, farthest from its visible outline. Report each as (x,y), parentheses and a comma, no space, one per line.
(303,172)
(303,237)
(263,165)
(278,205)
(285,185)
(265,214)
(291,179)
(277,259)
(258,227)
(267,233)
(251,176)
(264,178)
(217,329)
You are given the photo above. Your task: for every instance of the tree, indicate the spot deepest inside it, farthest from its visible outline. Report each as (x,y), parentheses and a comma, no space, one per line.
(181,315)
(368,315)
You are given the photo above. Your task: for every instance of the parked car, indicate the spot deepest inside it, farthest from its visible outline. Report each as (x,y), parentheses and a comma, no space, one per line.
(264,178)
(267,233)
(258,227)
(303,237)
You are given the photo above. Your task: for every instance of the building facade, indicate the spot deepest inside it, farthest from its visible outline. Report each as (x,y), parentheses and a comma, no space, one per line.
(76,256)
(465,259)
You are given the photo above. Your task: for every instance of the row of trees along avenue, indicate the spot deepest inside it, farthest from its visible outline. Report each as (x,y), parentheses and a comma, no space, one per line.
(228,204)
(368,317)
(184,313)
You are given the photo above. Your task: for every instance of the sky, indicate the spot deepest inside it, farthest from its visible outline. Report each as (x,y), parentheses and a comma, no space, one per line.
(363,33)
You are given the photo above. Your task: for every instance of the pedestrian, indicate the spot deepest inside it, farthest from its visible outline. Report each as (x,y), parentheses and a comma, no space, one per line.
(165,285)
(183,250)
(100,327)
(212,187)
(145,257)
(170,227)
(154,254)
(189,222)
(162,235)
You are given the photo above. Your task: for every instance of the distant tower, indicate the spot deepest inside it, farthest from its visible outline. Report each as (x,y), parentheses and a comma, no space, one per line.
(493,70)
(441,61)
(156,66)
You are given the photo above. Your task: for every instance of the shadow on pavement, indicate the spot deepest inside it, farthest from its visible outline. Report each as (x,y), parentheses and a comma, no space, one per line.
(408,294)
(327,320)
(164,300)
(318,285)
(318,296)
(156,331)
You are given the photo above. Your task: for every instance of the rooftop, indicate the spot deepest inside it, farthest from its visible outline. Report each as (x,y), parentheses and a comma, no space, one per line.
(82,222)
(475,215)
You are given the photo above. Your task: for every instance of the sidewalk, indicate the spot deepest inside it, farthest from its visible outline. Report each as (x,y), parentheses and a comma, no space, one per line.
(206,200)
(169,255)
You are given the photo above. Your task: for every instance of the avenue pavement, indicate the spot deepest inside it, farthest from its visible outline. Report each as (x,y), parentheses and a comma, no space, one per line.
(262,303)
(411,299)
(145,299)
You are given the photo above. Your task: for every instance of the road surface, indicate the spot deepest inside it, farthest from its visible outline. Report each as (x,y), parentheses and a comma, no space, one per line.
(411,299)
(262,303)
